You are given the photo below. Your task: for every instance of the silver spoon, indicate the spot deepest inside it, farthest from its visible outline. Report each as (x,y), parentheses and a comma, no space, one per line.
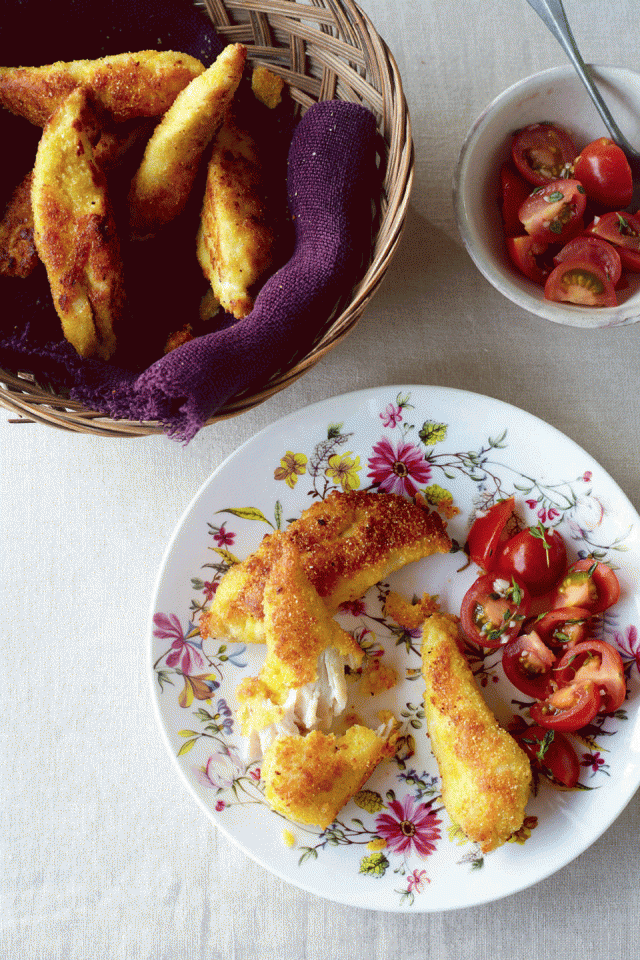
(551,12)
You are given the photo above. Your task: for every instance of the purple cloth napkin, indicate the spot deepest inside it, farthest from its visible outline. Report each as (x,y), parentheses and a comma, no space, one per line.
(330,184)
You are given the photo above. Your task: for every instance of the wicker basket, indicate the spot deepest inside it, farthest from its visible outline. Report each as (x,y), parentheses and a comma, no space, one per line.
(325,49)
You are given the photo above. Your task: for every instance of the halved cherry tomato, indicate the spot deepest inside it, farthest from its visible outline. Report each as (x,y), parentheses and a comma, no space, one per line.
(604,171)
(582,282)
(551,753)
(525,252)
(588,584)
(564,627)
(553,213)
(513,192)
(597,661)
(595,249)
(536,556)
(542,152)
(493,610)
(527,663)
(568,708)
(623,231)
(486,532)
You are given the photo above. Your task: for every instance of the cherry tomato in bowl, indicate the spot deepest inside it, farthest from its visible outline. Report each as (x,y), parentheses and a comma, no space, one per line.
(486,533)
(542,152)
(597,661)
(536,556)
(527,663)
(551,753)
(493,610)
(595,249)
(554,213)
(514,190)
(526,253)
(603,170)
(623,231)
(580,281)
(589,584)
(568,708)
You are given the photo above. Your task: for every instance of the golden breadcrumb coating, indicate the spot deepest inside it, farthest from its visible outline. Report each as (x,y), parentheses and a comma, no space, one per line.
(163,182)
(236,239)
(18,256)
(267,86)
(347,543)
(409,615)
(142,84)
(309,779)
(74,230)
(299,630)
(486,776)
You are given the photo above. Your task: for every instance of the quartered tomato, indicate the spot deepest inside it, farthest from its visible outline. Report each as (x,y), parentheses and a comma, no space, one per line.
(536,556)
(582,282)
(554,213)
(563,627)
(588,584)
(551,753)
(486,533)
(594,249)
(525,252)
(599,662)
(623,231)
(493,610)
(604,171)
(514,190)
(568,708)
(527,663)
(542,152)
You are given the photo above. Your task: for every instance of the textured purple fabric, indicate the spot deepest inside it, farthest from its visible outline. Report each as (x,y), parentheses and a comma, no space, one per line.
(331,181)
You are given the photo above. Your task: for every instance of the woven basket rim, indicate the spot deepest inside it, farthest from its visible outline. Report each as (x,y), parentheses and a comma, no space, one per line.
(348,60)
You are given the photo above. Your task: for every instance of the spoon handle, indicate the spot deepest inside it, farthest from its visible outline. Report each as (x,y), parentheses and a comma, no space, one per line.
(551,12)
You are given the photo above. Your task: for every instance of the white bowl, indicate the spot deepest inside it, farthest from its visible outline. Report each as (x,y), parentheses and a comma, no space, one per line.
(557,95)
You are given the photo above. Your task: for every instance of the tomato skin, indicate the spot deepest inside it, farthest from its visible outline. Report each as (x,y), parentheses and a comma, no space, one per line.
(598,661)
(604,171)
(485,533)
(542,151)
(492,610)
(568,708)
(554,213)
(595,249)
(623,231)
(582,282)
(526,557)
(514,190)
(564,627)
(527,663)
(597,588)
(524,251)
(551,753)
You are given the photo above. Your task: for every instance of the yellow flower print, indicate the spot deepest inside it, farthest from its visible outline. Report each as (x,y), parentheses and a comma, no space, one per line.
(292,466)
(344,470)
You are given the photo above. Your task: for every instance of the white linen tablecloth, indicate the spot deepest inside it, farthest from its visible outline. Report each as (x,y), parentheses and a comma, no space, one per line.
(106,856)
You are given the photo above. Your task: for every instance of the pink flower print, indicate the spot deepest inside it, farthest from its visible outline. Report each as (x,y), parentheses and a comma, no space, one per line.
(593,760)
(629,644)
(532,504)
(209,590)
(355,607)
(222,769)
(416,881)
(586,476)
(398,468)
(409,827)
(224,537)
(220,805)
(186,649)
(391,415)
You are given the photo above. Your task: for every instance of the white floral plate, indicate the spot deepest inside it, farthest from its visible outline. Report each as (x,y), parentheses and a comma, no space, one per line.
(393,847)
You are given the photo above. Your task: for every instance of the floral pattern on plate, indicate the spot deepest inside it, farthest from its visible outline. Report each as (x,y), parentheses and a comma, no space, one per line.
(395,832)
